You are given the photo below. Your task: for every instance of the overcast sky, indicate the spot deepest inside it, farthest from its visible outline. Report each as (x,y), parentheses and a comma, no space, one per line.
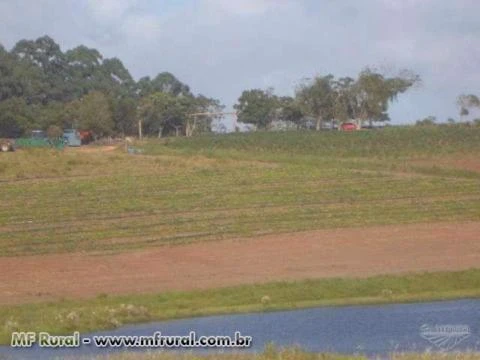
(221,47)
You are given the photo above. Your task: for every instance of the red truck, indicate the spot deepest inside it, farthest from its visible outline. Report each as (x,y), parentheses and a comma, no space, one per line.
(348,127)
(86,136)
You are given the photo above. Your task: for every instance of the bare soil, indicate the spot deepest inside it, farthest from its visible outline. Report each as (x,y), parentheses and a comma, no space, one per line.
(94,148)
(463,163)
(354,252)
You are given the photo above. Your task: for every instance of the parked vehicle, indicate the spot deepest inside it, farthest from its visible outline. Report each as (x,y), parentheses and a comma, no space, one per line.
(39,139)
(7,145)
(348,127)
(86,136)
(72,137)
(39,135)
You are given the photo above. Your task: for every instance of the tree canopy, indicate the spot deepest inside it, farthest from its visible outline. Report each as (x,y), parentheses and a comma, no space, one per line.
(325,98)
(257,107)
(41,86)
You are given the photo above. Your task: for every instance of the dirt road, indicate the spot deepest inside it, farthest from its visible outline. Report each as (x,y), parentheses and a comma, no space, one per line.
(313,254)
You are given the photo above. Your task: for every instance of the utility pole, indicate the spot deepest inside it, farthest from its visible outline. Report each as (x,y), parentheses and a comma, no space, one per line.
(140,135)
(235,124)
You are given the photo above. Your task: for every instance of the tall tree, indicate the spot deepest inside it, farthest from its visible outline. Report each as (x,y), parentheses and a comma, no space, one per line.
(374,91)
(43,62)
(290,110)
(163,112)
(372,95)
(163,82)
(344,103)
(257,107)
(84,66)
(125,115)
(8,83)
(94,113)
(317,98)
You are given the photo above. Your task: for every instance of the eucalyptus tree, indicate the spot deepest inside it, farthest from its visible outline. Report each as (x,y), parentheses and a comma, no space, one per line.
(155,111)
(164,82)
(344,100)
(290,111)
(8,86)
(374,92)
(316,97)
(42,70)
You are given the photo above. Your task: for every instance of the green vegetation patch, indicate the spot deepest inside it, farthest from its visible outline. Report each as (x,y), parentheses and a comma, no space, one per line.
(106,312)
(216,187)
(273,353)
(388,142)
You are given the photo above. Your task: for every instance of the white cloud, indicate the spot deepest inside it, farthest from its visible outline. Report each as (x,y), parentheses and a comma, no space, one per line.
(245,7)
(142,28)
(110,10)
(402,4)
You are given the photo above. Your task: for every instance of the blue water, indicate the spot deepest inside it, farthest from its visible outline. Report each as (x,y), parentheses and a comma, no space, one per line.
(370,330)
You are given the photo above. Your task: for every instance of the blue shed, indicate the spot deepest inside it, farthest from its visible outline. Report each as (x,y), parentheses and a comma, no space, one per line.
(72,137)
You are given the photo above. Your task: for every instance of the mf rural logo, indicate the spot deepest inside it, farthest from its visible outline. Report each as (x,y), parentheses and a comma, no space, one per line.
(445,337)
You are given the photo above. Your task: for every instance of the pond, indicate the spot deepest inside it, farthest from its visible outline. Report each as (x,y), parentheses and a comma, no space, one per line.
(374,330)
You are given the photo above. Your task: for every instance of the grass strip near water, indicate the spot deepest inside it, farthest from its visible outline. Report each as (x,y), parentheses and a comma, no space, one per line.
(273,353)
(108,312)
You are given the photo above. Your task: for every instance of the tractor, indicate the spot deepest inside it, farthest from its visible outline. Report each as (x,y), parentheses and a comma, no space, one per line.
(7,145)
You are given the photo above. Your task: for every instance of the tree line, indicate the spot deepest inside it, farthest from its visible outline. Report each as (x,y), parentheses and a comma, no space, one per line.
(326,99)
(42,87)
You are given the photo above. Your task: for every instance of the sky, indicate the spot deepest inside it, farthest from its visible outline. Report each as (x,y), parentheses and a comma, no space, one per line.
(222,47)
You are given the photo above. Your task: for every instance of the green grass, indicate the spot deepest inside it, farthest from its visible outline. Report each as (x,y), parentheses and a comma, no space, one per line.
(389,142)
(224,186)
(106,312)
(272,353)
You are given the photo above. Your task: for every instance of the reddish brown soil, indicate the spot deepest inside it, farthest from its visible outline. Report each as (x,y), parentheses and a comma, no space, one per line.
(94,148)
(466,164)
(463,163)
(314,254)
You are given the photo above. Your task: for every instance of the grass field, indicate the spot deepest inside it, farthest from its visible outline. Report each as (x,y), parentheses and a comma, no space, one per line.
(225,186)
(179,190)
